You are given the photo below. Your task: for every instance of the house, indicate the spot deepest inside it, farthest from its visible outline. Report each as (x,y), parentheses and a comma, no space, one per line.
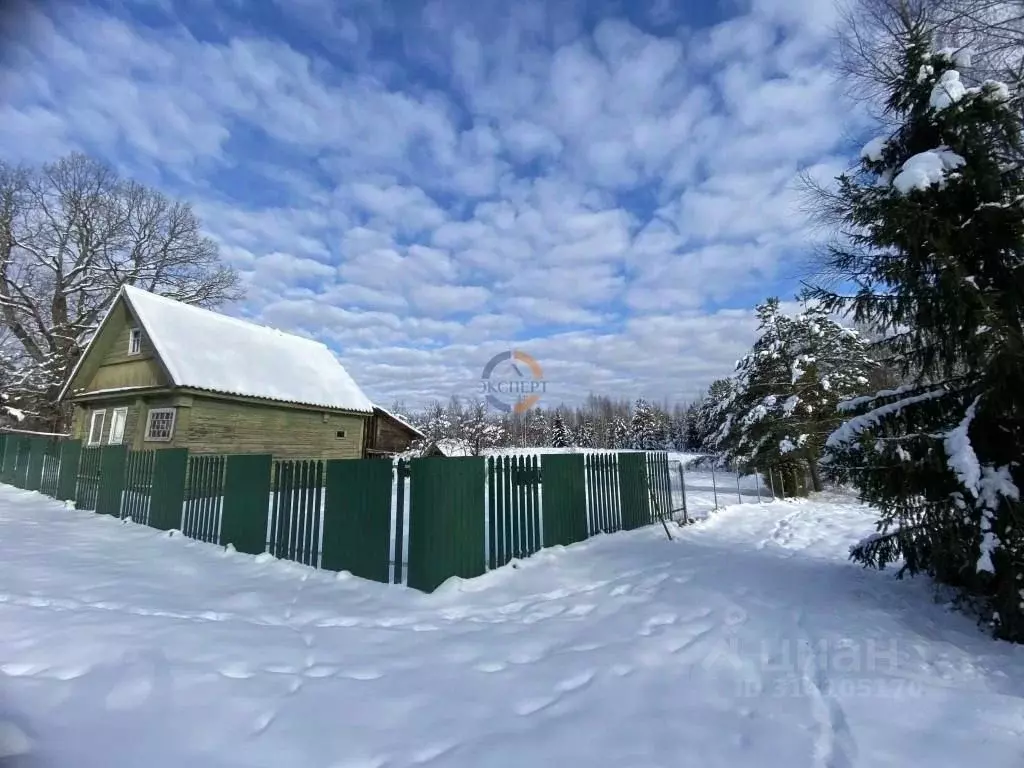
(389,434)
(159,373)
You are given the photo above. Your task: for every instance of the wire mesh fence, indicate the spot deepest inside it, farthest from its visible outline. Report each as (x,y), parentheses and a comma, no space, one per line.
(702,484)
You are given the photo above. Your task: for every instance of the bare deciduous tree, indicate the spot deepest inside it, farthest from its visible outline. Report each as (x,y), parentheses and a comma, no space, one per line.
(71,234)
(872,33)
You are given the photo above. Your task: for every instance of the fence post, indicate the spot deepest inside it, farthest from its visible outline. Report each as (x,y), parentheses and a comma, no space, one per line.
(112,465)
(357,518)
(34,469)
(771,482)
(682,485)
(757,484)
(401,472)
(739,493)
(564,498)
(67,475)
(714,482)
(243,522)
(167,492)
(446,520)
(633,491)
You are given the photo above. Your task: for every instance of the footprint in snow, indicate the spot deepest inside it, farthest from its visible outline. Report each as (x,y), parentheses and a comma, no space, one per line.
(236,671)
(532,706)
(362,674)
(659,620)
(575,682)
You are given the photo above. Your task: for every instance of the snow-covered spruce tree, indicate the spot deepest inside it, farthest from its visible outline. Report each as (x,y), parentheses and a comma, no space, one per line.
(934,247)
(691,436)
(783,404)
(645,432)
(537,428)
(561,437)
(585,434)
(619,437)
(711,415)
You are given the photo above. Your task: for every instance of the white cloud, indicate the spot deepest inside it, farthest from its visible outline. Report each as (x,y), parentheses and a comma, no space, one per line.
(502,175)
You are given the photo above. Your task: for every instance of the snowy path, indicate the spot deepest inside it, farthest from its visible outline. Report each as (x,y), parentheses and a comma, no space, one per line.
(750,641)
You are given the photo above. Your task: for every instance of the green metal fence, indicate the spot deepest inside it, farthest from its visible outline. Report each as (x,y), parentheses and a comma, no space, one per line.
(446,520)
(138,486)
(87,488)
(34,466)
(357,522)
(51,467)
(23,448)
(604,511)
(660,485)
(420,522)
(513,508)
(203,497)
(293,530)
(564,496)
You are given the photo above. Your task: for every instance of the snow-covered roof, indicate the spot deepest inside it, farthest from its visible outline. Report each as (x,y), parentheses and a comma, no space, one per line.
(206,350)
(400,420)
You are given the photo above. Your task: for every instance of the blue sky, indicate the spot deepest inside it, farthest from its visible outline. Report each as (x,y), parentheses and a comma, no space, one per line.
(609,186)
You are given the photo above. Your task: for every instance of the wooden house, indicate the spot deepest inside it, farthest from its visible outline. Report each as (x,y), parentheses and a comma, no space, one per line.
(389,434)
(159,373)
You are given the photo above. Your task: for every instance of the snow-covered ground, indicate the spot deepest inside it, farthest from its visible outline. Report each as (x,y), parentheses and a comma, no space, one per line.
(748,640)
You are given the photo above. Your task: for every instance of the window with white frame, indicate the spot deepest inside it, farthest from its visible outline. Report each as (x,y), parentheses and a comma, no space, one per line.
(96,421)
(135,341)
(118,418)
(160,424)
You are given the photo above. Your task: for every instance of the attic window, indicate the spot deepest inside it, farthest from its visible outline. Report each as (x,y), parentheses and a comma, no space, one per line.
(340,433)
(135,341)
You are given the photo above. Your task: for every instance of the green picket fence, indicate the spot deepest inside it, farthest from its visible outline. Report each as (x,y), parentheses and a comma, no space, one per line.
(418,522)
(138,486)
(660,483)
(23,449)
(51,467)
(204,497)
(296,510)
(604,511)
(87,488)
(513,508)
(10,460)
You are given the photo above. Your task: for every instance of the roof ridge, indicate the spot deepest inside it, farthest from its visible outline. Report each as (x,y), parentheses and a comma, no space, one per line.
(219,315)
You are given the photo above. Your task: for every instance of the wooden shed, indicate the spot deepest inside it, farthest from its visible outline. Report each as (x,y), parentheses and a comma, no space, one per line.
(160,373)
(389,434)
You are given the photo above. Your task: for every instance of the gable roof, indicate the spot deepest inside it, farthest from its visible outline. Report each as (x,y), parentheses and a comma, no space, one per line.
(395,417)
(205,350)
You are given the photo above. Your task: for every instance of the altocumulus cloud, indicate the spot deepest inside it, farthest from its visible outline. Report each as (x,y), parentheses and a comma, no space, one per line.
(607,185)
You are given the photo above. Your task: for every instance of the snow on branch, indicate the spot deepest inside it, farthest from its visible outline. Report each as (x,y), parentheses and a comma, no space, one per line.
(852,429)
(927,168)
(962,458)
